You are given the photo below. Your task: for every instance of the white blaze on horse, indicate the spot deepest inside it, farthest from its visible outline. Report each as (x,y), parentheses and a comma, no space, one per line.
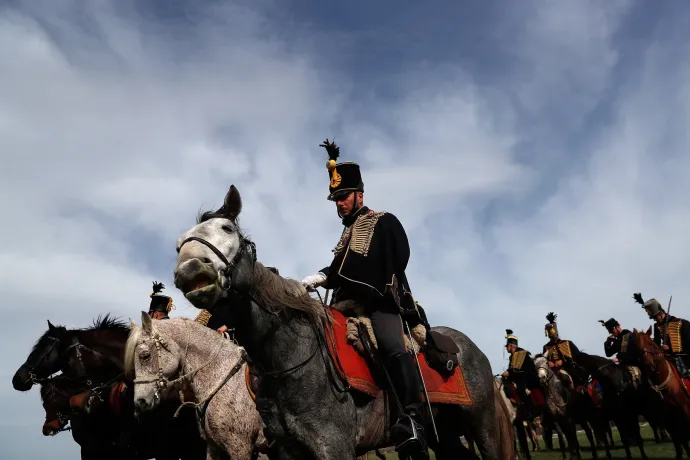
(306,405)
(179,351)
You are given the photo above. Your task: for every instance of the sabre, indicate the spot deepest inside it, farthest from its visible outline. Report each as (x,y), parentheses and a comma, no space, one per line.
(668,315)
(419,369)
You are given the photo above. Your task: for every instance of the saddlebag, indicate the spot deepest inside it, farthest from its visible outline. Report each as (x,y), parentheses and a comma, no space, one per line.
(441,353)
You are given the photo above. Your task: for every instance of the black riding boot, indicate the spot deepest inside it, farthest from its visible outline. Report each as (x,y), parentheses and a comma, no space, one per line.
(408,431)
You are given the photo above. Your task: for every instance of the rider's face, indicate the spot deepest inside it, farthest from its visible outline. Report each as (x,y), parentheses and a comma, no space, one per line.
(659,318)
(346,203)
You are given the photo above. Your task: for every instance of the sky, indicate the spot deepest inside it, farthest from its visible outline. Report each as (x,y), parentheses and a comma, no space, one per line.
(536,153)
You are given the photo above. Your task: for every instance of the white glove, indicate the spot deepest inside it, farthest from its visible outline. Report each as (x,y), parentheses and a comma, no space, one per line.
(312,282)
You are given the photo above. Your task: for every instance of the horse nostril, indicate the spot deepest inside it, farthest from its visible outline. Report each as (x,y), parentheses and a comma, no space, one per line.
(141,403)
(206,260)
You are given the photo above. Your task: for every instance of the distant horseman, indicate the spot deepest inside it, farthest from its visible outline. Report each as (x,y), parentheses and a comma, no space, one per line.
(671,333)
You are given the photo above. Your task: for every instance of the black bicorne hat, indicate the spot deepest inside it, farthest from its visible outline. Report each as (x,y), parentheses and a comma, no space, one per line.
(610,324)
(345,177)
(160,302)
(510,338)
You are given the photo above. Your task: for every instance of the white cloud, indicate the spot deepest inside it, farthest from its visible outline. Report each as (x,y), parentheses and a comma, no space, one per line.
(110,146)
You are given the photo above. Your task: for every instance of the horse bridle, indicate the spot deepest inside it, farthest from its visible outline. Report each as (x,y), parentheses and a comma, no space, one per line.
(245,245)
(248,245)
(32,370)
(61,417)
(78,347)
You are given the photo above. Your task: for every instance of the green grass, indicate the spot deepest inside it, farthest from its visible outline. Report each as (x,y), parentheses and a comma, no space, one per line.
(652,449)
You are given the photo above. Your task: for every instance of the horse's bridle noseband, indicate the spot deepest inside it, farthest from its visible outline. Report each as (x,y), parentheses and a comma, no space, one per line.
(245,245)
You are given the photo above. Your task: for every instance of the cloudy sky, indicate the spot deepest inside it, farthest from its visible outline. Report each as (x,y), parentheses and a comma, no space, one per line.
(536,154)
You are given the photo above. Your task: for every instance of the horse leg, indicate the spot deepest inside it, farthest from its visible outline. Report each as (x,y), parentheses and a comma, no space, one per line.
(522,438)
(588,432)
(638,437)
(562,443)
(451,448)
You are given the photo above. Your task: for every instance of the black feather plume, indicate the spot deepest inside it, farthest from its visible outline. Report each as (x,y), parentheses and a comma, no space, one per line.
(332,149)
(509,332)
(638,298)
(158,287)
(551,317)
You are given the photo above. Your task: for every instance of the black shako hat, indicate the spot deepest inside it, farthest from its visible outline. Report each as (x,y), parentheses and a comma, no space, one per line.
(610,324)
(160,302)
(344,177)
(510,338)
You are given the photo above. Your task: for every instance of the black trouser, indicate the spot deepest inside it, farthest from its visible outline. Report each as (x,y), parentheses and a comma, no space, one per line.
(400,364)
(388,329)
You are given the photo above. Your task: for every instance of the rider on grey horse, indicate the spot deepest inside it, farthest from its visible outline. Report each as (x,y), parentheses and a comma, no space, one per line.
(369,267)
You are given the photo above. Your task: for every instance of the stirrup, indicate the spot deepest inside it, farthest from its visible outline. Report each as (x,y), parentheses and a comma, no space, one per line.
(415,443)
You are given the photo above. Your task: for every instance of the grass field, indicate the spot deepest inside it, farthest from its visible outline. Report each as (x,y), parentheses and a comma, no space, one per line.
(653,450)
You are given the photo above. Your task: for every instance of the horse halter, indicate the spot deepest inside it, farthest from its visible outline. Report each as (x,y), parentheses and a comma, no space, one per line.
(32,370)
(62,418)
(245,245)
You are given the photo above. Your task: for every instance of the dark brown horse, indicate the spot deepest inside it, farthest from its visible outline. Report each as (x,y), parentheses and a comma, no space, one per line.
(94,357)
(666,381)
(94,439)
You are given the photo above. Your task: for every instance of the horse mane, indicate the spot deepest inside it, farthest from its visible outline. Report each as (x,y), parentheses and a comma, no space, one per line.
(110,324)
(130,348)
(274,292)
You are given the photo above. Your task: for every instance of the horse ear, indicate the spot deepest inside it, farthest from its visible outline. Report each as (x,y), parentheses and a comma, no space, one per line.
(50,326)
(233,203)
(146,322)
(132,324)
(649,331)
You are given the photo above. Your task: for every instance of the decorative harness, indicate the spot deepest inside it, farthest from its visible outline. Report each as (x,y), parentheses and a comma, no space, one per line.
(163,382)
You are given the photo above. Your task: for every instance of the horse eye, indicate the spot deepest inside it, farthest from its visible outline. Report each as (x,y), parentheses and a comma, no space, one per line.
(145,354)
(227,228)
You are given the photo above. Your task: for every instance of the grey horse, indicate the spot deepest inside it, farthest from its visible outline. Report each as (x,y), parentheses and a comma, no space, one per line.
(307,410)
(557,397)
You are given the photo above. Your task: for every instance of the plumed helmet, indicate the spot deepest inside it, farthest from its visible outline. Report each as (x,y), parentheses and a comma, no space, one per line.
(551,328)
(652,306)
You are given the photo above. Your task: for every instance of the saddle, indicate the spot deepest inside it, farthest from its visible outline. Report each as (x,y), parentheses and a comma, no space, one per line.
(439,350)
(634,374)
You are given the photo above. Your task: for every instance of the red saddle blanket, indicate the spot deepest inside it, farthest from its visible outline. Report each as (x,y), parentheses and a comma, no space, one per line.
(354,369)
(537,397)
(594,390)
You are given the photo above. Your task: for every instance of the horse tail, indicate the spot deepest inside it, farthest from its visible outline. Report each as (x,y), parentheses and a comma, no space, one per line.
(504,427)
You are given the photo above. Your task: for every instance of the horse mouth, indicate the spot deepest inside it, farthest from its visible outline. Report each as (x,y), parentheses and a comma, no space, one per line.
(201,282)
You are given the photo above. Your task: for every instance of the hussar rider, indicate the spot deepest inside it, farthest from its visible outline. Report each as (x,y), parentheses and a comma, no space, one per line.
(160,304)
(560,354)
(369,268)
(670,333)
(621,342)
(521,371)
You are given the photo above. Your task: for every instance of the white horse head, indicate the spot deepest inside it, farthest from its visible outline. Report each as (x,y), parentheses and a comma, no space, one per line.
(542,365)
(154,359)
(214,255)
